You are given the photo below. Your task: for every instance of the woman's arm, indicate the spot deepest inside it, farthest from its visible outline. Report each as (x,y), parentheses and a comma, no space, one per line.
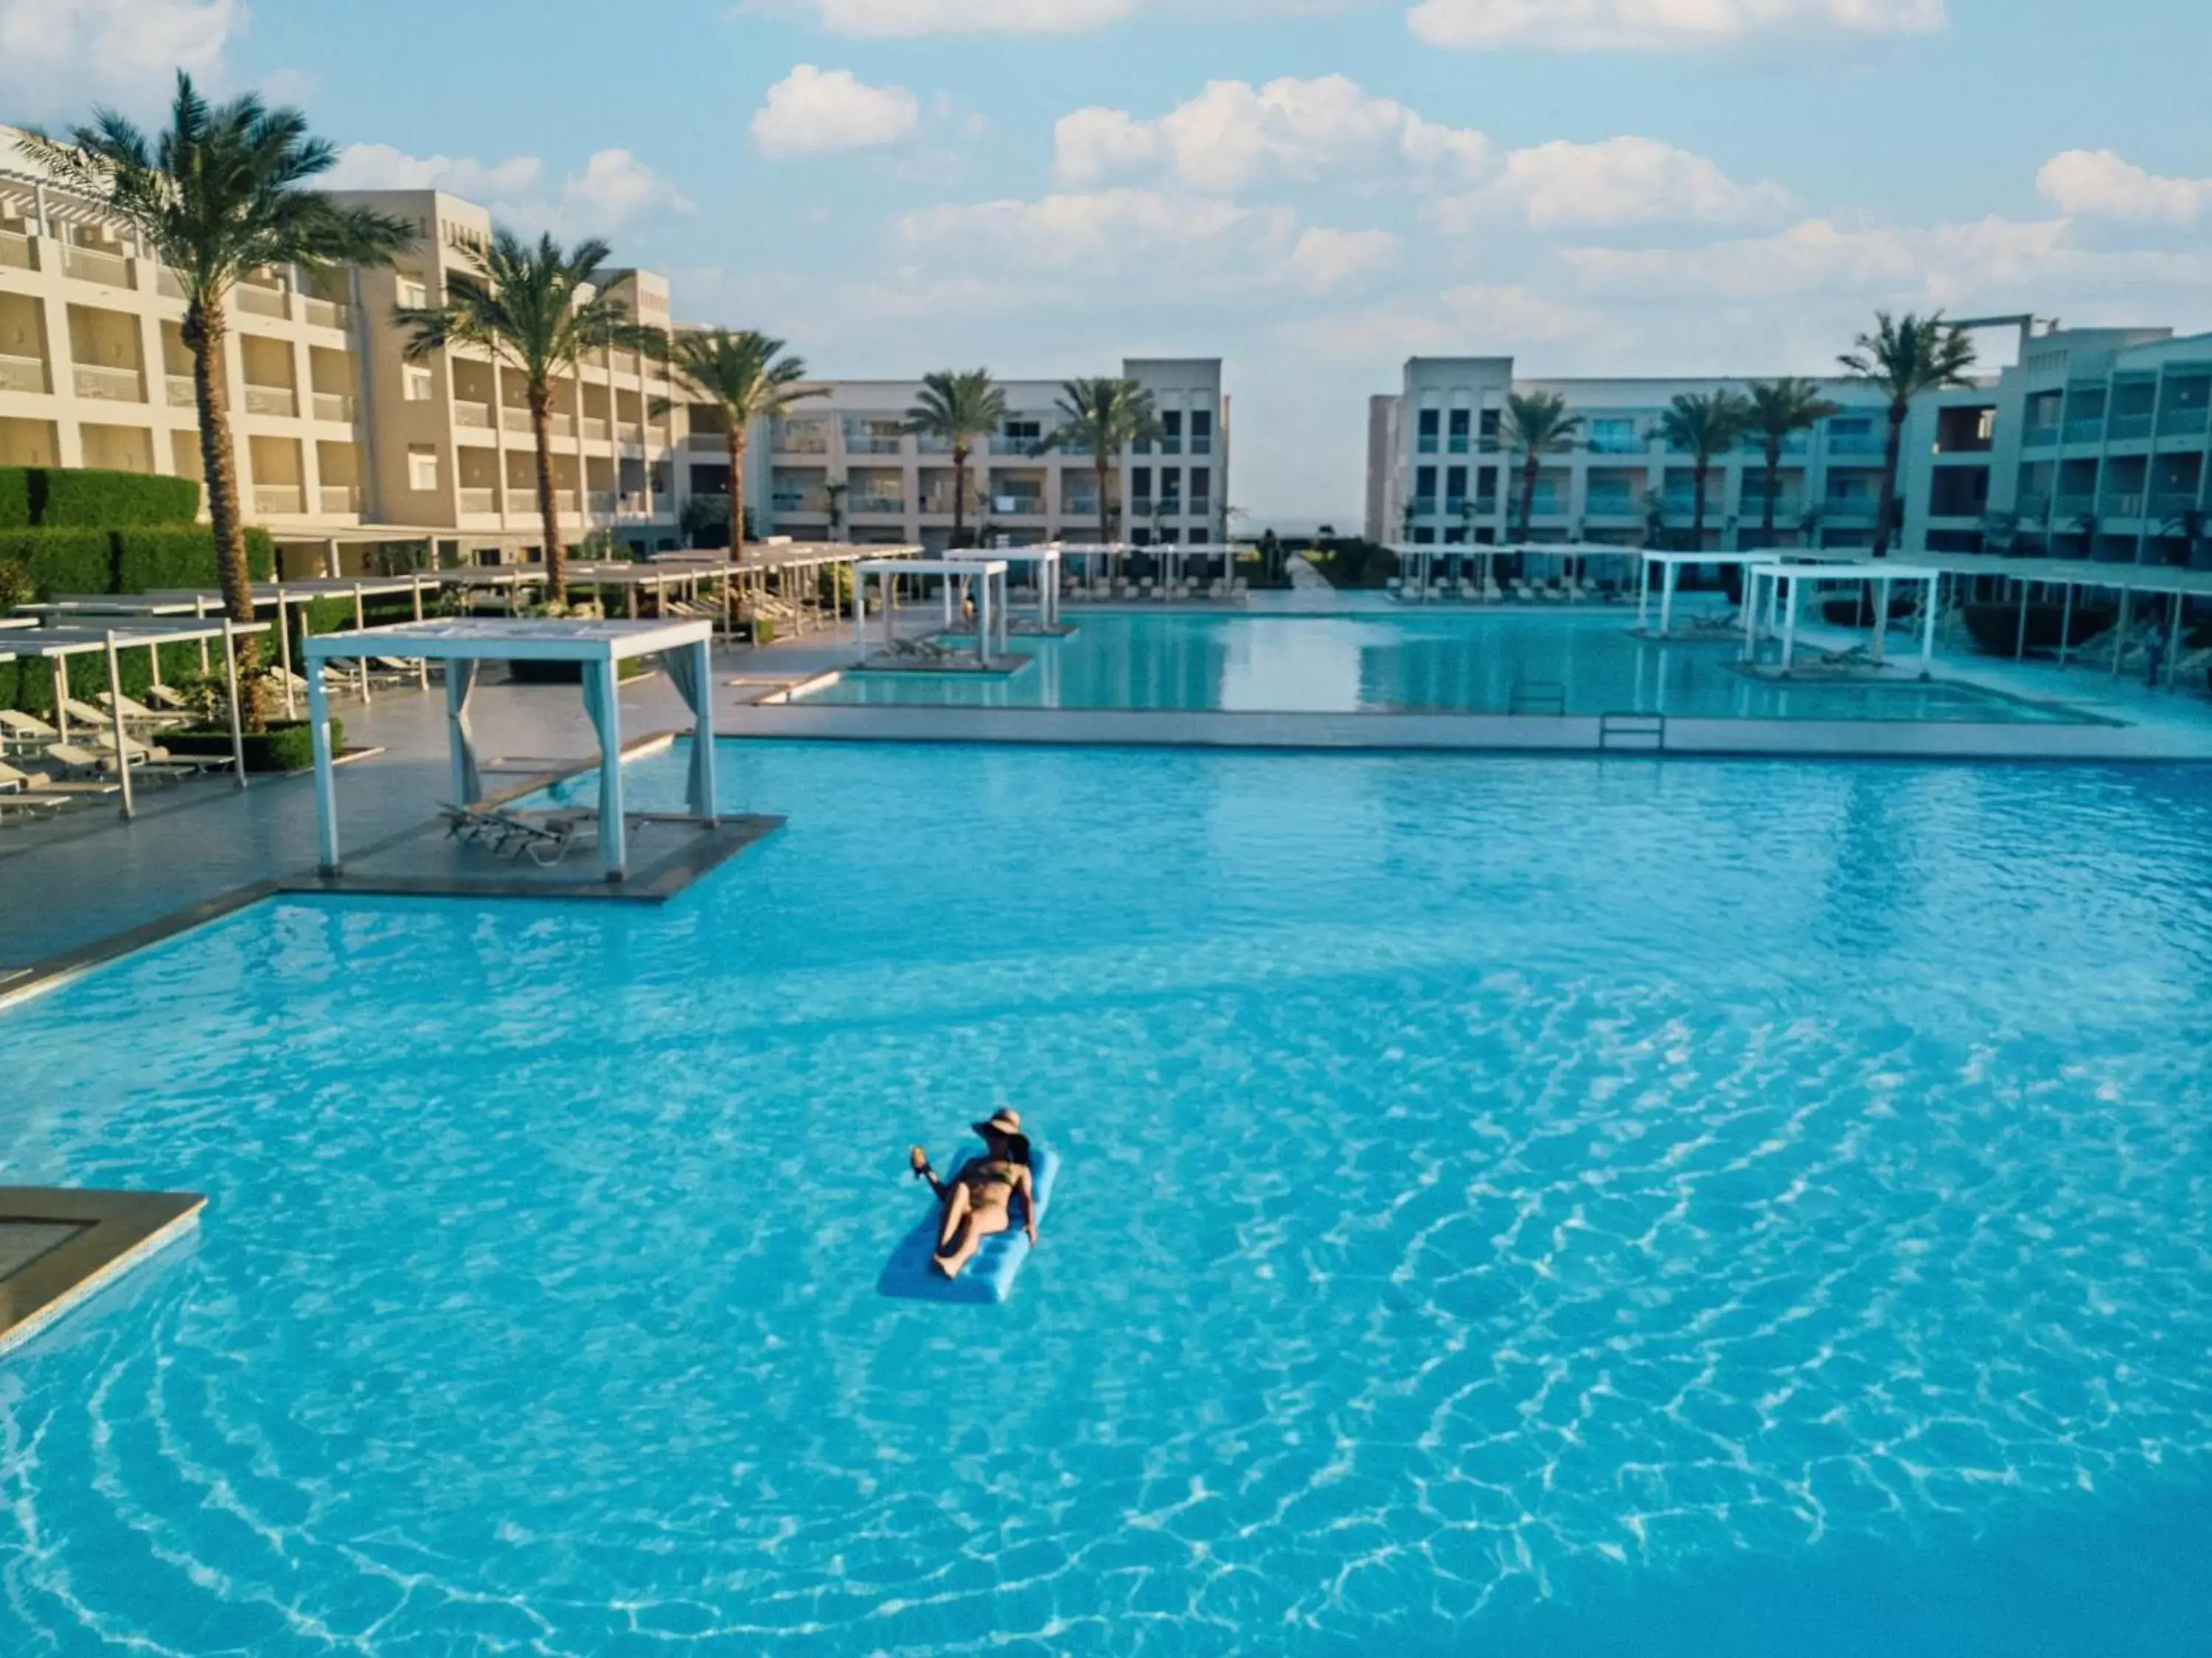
(1028,1188)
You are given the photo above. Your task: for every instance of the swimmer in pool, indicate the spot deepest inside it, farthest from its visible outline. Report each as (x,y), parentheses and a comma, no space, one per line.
(979,1201)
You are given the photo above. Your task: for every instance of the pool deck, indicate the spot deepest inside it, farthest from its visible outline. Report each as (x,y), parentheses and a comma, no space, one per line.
(86,885)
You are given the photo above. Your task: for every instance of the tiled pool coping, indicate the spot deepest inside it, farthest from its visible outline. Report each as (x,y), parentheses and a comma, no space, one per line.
(113,1232)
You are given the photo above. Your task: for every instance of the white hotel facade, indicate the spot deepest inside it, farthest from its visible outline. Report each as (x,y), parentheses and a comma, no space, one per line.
(2094,444)
(338,433)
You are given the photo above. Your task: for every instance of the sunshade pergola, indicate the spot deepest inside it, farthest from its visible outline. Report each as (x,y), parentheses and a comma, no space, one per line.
(58,644)
(463,645)
(1670,564)
(1046,560)
(1772,588)
(988,571)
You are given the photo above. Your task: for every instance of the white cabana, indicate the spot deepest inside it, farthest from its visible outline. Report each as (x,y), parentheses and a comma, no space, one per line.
(58,644)
(1670,564)
(1044,562)
(464,644)
(1772,592)
(988,571)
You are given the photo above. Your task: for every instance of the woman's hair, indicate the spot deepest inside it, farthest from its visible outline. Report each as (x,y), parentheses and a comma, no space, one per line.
(1017,1148)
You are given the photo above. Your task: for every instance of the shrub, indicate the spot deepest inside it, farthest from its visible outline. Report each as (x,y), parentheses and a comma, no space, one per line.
(14,498)
(86,497)
(283,745)
(62,560)
(15,588)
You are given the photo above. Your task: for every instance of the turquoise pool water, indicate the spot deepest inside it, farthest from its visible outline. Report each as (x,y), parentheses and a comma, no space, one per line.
(1499,662)
(1511,1208)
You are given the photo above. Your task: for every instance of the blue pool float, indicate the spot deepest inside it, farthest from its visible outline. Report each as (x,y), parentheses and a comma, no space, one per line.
(908,1277)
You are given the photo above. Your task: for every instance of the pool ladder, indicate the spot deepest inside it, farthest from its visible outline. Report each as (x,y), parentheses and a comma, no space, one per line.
(1635,734)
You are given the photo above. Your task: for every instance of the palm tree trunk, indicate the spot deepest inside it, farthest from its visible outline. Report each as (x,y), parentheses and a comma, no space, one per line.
(959,492)
(1705,470)
(1891,455)
(1105,512)
(1528,470)
(1773,484)
(737,492)
(204,331)
(549,509)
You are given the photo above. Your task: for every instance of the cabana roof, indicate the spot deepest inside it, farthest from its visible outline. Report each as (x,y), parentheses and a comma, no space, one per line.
(512,638)
(129,635)
(989,563)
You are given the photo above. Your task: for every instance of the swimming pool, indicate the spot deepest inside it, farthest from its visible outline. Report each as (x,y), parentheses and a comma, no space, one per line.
(1510,1206)
(1495,662)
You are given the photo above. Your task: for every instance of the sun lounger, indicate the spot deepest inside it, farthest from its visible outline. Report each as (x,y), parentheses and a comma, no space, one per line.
(174,701)
(25,730)
(544,837)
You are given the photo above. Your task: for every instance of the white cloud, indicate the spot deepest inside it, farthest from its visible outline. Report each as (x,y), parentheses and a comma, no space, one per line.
(613,188)
(1324,261)
(2096,184)
(1657,25)
(58,56)
(819,112)
(1234,134)
(1472,317)
(1621,181)
(1101,230)
(910,17)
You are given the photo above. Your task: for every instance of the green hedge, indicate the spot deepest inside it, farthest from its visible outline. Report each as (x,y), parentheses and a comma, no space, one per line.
(14,498)
(182,556)
(286,746)
(89,498)
(62,560)
(29,686)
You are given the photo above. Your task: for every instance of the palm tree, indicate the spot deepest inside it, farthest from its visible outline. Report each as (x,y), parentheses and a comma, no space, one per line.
(1536,424)
(746,375)
(957,407)
(1101,417)
(1904,357)
(219,192)
(1779,409)
(540,309)
(1703,424)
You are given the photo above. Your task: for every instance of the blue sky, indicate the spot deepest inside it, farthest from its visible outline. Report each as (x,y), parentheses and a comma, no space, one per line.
(1311,189)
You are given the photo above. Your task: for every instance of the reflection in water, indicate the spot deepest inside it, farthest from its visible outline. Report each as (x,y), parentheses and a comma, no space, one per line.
(1584,664)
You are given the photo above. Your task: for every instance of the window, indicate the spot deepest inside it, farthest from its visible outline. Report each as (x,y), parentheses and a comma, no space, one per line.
(421,467)
(1201,487)
(415,384)
(413,293)
(1424,482)
(1201,431)
(1171,432)
(1462,421)
(1140,483)
(1427,432)
(1456,485)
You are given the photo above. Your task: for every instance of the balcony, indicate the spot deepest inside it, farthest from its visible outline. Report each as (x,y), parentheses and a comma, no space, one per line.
(474,417)
(334,405)
(87,265)
(1002,444)
(22,374)
(595,429)
(1614,443)
(1614,503)
(182,394)
(2067,509)
(1546,503)
(167,283)
(1857,443)
(866,443)
(560,426)
(1140,506)
(818,502)
(109,385)
(2040,437)
(260,301)
(482,500)
(2032,507)
(708,442)
(2120,503)
(277,498)
(1078,506)
(2167,504)
(515,420)
(2187,421)
(600,503)
(1028,506)
(17,251)
(802,444)
(1850,509)
(340,500)
(2128,427)
(879,503)
(327,312)
(271,401)
(1205,446)
(634,503)
(2087,429)
(1198,507)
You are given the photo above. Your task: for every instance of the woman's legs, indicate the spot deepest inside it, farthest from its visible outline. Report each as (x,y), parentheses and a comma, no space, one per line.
(982,1224)
(956,1211)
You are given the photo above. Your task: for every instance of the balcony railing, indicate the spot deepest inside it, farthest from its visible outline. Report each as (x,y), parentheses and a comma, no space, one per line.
(633,502)
(2032,507)
(18,251)
(1205,446)
(1002,444)
(1857,443)
(1198,507)
(2172,503)
(708,442)
(802,444)
(1615,443)
(327,313)
(182,394)
(595,429)
(167,283)
(2068,507)
(865,444)
(2126,427)
(261,301)
(87,265)
(1078,506)
(1140,506)
(873,502)
(2088,429)
(277,498)
(340,499)
(814,501)
(1848,509)
(271,401)
(515,420)
(1027,506)
(2186,419)
(110,385)
(560,426)
(483,499)
(1614,503)
(2120,503)
(1171,446)
(22,374)
(477,417)
(600,502)
(334,405)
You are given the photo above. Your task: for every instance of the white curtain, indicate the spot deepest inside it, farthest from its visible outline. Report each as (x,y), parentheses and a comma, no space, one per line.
(683,666)
(461,686)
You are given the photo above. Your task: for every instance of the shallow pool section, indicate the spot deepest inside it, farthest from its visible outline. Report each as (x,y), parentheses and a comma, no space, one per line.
(1499,662)
(1509,1207)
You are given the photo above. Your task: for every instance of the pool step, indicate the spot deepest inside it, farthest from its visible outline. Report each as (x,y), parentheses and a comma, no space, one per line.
(1632,733)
